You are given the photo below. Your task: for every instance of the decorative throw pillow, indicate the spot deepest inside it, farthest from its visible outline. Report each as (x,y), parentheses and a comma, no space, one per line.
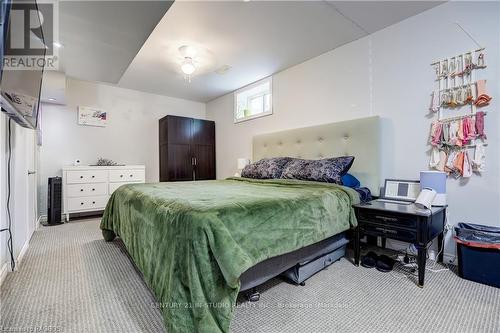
(266,168)
(350,181)
(329,170)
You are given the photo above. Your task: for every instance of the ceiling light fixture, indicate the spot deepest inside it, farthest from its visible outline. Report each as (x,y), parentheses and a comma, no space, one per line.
(187,66)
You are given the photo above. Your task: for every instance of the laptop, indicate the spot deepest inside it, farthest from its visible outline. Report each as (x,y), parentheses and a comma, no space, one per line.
(399,191)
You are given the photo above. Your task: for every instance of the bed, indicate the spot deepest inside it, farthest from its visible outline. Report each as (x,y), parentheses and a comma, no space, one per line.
(195,241)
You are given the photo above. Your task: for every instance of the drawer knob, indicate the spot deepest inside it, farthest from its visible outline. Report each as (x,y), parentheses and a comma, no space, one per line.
(121,176)
(81,203)
(81,190)
(93,202)
(93,176)
(131,175)
(93,189)
(81,177)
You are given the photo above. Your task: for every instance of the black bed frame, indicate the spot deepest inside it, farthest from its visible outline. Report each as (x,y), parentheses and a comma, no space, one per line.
(275,266)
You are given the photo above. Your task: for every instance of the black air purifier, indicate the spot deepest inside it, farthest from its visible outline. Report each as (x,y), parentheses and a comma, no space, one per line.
(54,204)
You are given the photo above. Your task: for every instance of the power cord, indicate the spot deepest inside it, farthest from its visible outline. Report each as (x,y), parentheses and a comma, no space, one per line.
(9,228)
(431,269)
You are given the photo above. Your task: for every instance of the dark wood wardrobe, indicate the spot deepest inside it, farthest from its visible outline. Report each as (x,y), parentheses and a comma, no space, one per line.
(187,149)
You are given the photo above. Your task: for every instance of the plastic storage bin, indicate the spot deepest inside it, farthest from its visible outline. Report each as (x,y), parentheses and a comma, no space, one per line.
(478,249)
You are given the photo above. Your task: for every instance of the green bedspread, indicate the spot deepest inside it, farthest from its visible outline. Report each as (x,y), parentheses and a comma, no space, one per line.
(193,240)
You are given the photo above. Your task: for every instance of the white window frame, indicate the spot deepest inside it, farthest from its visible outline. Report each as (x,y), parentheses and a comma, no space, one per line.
(248,87)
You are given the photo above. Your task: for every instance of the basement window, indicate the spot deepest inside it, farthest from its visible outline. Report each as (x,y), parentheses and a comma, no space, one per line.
(254,100)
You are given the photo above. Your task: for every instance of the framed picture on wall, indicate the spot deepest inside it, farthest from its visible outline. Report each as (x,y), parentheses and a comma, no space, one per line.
(92,116)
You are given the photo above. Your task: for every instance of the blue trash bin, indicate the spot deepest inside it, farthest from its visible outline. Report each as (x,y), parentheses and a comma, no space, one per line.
(478,250)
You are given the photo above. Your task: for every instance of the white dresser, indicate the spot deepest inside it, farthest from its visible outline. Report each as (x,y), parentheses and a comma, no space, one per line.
(87,188)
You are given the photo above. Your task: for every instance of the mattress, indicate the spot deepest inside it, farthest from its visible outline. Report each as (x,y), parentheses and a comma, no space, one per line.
(193,240)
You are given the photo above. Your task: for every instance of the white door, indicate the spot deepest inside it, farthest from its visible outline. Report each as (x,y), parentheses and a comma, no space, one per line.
(31,174)
(23,187)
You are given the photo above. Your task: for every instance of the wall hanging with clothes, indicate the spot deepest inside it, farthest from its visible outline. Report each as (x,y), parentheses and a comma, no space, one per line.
(457,136)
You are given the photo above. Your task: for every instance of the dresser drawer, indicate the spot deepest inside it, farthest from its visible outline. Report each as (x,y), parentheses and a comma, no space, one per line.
(390,232)
(132,175)
(85,190)
(87,203)
(114,186)
(86,176)
(397,220)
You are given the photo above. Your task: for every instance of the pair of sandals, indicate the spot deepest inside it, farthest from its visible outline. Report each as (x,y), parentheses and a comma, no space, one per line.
(382,263)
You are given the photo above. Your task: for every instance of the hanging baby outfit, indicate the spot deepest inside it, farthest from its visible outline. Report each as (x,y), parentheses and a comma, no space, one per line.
(478,163)
(453,132)
(471,128)
(480,125)
(458,166)
(446,134)
(435,101)
(483,98)
(438,159)
(443,157)
(460,133)
(451,161)
(434,162)
(436,132)
(467,167)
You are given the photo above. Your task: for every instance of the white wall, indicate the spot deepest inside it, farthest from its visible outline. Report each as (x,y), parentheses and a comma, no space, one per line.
(386,74)
(22,228)
(131,136)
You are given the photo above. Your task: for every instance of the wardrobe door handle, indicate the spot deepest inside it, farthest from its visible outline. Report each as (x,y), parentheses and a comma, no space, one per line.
(195,161)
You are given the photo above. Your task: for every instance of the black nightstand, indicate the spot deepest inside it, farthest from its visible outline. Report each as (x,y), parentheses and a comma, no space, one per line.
(404,223)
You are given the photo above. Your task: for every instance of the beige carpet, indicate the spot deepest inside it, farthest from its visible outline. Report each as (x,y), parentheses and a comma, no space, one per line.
(72,281)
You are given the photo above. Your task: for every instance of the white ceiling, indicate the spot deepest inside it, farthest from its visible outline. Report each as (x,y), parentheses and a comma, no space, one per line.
(256,38)
(101,38)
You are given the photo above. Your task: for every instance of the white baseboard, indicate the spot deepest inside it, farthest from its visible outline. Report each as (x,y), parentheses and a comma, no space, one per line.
(4,269)
(22,252)
(39,221)
(3,272)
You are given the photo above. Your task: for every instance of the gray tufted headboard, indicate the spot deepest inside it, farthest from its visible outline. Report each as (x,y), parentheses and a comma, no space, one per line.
(359,138)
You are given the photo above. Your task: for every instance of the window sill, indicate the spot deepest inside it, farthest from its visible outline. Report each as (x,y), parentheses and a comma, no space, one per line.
(260,115)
